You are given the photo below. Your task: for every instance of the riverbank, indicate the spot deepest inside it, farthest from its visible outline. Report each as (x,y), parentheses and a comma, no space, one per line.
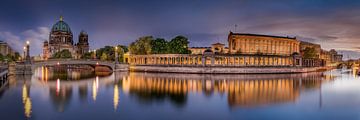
(222,69)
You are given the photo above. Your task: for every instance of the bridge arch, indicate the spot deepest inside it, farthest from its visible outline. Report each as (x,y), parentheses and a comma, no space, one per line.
(93,63)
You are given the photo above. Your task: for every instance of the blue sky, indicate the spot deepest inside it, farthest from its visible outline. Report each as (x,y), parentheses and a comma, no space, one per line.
(332,23)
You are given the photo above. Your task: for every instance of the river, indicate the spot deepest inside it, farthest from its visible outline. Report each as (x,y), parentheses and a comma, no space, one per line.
(53,94)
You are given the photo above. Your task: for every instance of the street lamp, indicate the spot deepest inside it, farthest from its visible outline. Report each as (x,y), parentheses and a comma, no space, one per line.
(95,54)
(24,53)
(116,55)
(27,58)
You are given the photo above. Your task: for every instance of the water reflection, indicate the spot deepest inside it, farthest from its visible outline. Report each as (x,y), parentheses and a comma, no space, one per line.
(26,100)
(241,90)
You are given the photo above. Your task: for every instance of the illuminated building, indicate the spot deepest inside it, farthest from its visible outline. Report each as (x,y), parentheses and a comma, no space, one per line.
(61,38)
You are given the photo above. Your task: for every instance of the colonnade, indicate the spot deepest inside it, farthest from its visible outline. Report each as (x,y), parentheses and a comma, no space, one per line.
(214,60)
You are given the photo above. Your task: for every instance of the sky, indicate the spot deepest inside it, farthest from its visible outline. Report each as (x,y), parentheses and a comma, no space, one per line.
(335,24)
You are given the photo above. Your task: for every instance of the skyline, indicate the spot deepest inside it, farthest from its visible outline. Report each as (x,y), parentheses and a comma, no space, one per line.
(333,24)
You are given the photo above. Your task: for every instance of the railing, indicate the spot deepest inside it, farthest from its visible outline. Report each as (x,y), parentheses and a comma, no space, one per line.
(3,76)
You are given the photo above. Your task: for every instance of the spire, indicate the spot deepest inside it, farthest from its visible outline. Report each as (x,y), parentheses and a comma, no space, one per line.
(61,18)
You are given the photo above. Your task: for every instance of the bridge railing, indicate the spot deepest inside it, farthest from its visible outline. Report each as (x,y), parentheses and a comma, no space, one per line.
(55,60)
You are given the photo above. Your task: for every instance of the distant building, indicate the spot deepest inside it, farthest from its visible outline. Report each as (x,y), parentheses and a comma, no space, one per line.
(326,57)
(217,48)
(5,49)
(335,57)
(61,38)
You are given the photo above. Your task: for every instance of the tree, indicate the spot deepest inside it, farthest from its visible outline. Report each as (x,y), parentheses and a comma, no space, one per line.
(62,54)
(121,51)
(141,46)
(309,53)
(17,56)
(104,57)
(178,45)
(159,46)
(108,50)
(2,57)
(87,55)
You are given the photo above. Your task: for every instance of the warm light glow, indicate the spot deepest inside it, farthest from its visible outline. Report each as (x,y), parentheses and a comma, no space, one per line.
(57,86)
(24,48)
(24,93)
(26,101)
(58,63)
(116,48)
(28,107)
(27,42)
(116,96)
(95,87)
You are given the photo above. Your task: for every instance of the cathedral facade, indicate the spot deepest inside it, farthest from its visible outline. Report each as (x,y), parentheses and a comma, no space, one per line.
(61,38)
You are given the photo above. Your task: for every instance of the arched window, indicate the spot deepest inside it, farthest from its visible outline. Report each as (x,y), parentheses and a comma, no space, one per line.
(233,44)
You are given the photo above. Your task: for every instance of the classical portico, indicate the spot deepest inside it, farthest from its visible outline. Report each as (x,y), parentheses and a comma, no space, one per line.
(210,60)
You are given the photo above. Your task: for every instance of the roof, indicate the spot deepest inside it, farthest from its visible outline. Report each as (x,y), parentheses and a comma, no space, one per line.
(217,43)
(249,34)
(61,26)
(304,42)
(199,47)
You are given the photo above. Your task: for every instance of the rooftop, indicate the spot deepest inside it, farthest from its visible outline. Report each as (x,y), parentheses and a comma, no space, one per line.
(249,34)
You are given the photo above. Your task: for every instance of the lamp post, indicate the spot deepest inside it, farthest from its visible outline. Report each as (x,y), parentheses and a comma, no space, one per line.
(24,56)
(116,55)
(95,54)
(27,58)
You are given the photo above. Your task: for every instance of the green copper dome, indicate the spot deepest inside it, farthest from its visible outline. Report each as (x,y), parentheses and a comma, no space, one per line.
(61,26)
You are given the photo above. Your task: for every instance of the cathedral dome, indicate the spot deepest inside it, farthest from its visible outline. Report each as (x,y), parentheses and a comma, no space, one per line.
(61,26)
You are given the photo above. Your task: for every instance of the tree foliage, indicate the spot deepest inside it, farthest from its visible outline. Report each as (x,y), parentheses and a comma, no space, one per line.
(179,45)
(104,56)
(159,46)
(149,45)
(141,46)
(109,51)
(309,53)
(62,54)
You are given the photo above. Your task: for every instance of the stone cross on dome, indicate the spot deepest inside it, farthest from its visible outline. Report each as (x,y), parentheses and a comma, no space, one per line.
(61,18)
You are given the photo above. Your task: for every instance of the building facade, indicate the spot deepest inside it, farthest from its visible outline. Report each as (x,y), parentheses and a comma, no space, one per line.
(240,43)
(335,56)
(244,50)
(61,38)
(5,49)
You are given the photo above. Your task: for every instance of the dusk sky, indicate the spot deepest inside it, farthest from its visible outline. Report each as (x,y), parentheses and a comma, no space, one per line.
(331,23)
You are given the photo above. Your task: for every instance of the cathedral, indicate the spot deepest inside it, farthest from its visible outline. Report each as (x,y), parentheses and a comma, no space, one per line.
(61,38)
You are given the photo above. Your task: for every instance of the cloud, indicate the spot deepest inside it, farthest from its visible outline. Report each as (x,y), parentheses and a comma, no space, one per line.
(13,40)
(35,36)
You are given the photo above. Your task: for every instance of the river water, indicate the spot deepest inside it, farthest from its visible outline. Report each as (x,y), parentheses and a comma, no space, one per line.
(51,94)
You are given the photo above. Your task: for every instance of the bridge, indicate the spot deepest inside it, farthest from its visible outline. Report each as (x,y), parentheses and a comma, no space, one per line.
(93,63)
(3,76)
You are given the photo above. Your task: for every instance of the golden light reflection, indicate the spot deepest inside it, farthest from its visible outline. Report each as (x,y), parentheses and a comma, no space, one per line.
(57,87)
(242,90)
(116,96)
(26,101)
(125,85)
(95,87)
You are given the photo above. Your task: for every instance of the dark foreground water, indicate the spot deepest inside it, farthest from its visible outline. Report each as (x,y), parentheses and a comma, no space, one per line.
(82,95)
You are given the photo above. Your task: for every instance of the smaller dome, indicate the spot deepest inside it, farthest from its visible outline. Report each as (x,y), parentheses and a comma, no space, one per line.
(83,32)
